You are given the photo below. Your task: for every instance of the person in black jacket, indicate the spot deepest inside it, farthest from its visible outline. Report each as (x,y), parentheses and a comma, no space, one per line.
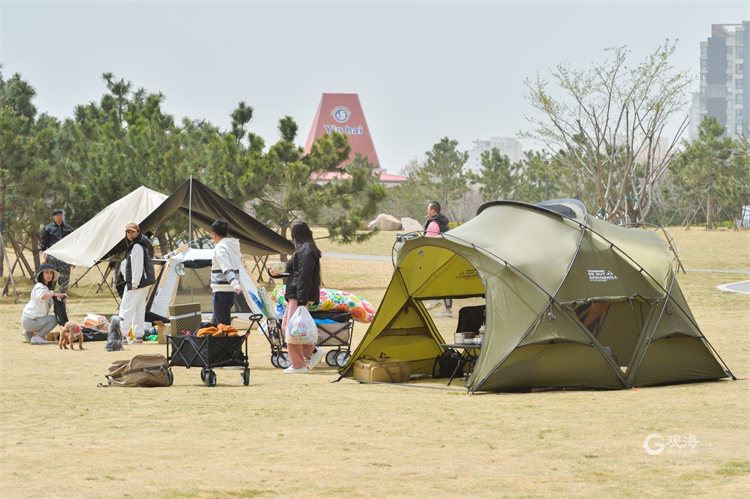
(302,290)
(437,223)
(52,233)
(138,271)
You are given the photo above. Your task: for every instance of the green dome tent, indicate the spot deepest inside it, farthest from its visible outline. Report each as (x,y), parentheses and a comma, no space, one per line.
(571,301)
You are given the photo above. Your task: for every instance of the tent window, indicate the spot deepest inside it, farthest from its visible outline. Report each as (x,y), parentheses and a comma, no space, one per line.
(592,315)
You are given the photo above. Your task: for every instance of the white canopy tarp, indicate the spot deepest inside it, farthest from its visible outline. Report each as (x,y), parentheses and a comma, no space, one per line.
(86,245)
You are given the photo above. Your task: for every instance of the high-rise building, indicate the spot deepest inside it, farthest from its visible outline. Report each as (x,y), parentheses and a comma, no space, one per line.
(508,146)
(724,89)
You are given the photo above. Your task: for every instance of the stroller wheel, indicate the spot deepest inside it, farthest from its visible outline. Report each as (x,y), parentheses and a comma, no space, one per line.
(284,360)
(331,357)
(210,378)
(246,376)
(275,359)
(203,374)
(342,358)
(170,377)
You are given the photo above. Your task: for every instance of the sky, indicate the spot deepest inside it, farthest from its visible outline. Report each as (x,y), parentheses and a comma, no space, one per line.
(423,70)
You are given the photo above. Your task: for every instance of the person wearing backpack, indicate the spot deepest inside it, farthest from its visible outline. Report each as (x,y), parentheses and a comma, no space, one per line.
(138,271)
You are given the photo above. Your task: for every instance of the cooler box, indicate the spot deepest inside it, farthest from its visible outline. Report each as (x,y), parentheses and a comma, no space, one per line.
(381,370)
(184,317)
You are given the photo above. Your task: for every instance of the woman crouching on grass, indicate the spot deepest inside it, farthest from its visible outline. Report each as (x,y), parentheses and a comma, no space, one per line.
(302,290)
(36,319)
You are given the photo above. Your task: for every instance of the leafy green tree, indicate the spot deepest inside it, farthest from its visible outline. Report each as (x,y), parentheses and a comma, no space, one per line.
(28,187)
(284,185)
(533,179)
(442,175)
(609,126)
(712,173)
(408,199)
(495,177)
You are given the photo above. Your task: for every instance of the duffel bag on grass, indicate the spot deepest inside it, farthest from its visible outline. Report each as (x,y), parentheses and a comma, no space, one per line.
(141,370)
(381,370)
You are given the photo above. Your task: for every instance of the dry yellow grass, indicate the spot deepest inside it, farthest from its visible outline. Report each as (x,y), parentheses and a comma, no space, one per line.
(304,436)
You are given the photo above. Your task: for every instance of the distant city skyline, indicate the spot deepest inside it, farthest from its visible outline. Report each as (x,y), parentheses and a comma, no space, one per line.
(724,87)
(422,70)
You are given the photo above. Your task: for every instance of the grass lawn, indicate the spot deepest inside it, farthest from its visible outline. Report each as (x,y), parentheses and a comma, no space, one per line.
(306,436)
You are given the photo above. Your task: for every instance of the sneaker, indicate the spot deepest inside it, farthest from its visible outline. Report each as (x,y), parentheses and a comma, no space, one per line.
(38,340)
(444,313)
(316,356)
(291,370)
(432,304)
(26,336)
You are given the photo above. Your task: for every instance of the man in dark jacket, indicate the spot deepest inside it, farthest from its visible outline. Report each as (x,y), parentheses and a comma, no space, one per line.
(52,233)
(437,223)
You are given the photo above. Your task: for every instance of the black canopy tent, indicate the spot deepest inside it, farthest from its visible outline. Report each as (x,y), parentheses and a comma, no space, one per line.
(202,206)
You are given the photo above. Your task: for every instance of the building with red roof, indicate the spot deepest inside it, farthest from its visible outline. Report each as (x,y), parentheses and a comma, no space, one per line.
(343,113)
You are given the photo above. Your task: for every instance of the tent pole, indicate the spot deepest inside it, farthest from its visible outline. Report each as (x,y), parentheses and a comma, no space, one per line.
(190,230)
(190,210)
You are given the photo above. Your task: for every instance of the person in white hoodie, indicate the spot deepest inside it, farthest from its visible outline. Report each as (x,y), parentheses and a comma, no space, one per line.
(225,273)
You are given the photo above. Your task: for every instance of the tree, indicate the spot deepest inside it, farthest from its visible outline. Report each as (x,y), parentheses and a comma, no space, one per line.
(713,172)
(533,181)
(27,182)
(442,174)
(495,176)
(284,185)
(609,128)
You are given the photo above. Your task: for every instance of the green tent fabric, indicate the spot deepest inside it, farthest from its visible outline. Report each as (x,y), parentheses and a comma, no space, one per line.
(571,302)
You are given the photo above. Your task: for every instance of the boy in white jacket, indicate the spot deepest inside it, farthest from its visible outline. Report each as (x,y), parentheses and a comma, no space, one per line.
(225,273)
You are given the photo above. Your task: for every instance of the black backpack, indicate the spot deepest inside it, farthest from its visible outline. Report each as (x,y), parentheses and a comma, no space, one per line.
(448,363)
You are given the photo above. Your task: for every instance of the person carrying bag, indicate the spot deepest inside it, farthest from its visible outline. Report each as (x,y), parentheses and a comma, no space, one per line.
(302,290)
(301,329)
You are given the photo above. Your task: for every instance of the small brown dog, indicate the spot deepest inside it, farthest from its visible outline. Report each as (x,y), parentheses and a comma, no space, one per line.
(68,335)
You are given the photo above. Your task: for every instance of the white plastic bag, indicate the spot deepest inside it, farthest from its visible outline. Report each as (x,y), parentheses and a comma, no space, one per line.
(301,329)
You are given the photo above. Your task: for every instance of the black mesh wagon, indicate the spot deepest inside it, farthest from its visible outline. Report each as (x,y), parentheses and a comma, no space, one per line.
(209,352)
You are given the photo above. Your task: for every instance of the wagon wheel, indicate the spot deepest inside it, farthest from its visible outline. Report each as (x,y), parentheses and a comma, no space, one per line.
(170,377)
(246,376)
(331,357)
(275,359)
(203,374)
(210,378)
(284,360)
(342,358)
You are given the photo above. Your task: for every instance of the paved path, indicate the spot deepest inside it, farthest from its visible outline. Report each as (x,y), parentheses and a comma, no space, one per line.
(714,271)
(736,287)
